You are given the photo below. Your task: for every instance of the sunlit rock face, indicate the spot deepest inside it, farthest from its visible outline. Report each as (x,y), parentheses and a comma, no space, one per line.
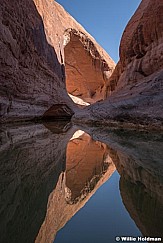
(88,166)
(32,76)
(87,72)
(135,87)
(141,47)
(32,159)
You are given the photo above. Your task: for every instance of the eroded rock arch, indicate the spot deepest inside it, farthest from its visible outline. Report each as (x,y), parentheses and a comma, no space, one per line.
(86,70)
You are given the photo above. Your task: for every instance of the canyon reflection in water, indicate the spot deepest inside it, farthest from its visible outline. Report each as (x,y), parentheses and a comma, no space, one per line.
(63,183)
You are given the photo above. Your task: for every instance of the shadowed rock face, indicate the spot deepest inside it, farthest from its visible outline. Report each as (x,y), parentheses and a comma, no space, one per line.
(59,111)
(32,76)
(136,86)
(32,158)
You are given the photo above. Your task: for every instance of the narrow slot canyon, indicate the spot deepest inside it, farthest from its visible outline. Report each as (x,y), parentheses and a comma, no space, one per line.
(81,135)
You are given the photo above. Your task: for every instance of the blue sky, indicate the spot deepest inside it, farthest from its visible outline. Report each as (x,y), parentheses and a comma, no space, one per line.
(105,20)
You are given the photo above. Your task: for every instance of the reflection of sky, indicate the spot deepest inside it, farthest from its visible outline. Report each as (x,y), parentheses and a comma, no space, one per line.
(105,20)
(33,159)
(102,218)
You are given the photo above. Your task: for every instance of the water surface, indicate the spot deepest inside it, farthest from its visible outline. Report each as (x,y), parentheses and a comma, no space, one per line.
(102,218)
(62,183)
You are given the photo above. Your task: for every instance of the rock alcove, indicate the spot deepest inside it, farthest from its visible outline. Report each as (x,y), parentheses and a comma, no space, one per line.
(86,71)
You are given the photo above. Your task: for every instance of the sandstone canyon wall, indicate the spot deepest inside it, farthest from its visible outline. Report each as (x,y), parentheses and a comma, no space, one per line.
(87,72)
(135,89)
(141,47)
(33,39)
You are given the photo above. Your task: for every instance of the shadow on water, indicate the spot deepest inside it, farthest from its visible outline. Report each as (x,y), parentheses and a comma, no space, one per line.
(49,171)
(138,157)
(32,158)
(144,206)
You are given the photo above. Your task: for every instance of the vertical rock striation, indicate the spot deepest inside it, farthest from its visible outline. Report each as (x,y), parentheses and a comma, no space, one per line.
(32,63)
(136,85)
(141,47)
(87,72)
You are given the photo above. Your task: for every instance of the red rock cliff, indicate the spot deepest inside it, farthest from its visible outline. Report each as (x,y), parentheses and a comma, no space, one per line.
(135,87)
(32,72)
(141,47)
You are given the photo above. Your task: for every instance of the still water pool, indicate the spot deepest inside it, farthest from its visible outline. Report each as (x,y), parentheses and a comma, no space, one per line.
(66,184)
(102,218)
